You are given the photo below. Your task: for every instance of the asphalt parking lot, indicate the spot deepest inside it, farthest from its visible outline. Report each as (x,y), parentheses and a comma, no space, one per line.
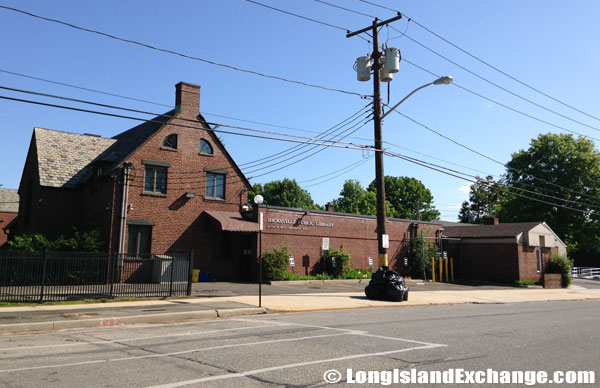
(301,349)
(215,289)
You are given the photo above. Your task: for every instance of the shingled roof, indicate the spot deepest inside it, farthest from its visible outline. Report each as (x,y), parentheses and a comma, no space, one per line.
(64,158)
(9,201)
(483,231)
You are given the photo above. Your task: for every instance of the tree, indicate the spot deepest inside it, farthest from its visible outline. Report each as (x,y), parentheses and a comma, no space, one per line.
(286,193)
(354,199)
(565,172)
(409,198)
(483,201)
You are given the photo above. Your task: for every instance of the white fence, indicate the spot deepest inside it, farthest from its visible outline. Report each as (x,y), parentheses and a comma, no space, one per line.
(585,271)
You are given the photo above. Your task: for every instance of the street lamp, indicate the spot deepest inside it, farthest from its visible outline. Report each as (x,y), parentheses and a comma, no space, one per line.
(258,199)
(445,80)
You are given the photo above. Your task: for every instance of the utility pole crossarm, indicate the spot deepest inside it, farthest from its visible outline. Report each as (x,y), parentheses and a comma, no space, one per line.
(377,25)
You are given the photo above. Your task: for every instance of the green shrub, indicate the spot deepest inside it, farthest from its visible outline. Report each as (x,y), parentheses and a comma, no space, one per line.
(80,242)
(275,263)
(525,282)
(336,262)
(357,274)
(561,265)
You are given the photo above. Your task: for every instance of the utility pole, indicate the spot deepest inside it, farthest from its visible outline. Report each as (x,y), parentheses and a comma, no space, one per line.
(379,175)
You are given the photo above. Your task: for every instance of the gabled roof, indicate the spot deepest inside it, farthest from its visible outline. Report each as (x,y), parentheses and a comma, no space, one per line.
(482,231)
(64,158)
(129,141)
(9,201)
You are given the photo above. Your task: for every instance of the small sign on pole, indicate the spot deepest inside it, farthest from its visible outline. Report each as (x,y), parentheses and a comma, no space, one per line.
(385,241)
(260,226)
(325,245)
(370,261)
(292,263)
(333,262)
(406,261)
(445,253)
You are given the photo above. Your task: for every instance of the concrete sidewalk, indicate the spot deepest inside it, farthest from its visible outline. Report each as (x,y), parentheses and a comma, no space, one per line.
(49,317)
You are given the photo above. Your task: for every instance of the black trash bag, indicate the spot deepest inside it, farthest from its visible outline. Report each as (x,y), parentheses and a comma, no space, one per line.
(387,285)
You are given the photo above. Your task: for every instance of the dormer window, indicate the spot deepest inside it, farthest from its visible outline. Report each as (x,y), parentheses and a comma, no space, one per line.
(170,142)
(205,147)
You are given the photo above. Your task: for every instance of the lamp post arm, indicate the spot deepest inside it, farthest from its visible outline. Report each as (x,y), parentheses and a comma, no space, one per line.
(406,98)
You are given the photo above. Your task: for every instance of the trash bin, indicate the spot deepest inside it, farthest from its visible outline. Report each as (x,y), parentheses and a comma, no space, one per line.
(195,275)
(204,276)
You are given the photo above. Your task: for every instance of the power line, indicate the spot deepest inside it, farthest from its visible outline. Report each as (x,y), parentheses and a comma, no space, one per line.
(292,149)
(501,104)
(464,88)
(323,144)
(159,104)
(355,164)
(443,171)
(298,16)
(168,51)
(492,159)
(496,85)
(150,113)
(484,62)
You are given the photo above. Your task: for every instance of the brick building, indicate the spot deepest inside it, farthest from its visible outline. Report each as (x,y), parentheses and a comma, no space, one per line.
(303,231)
(156,187)
(9,207)
(169,185)
(501,252)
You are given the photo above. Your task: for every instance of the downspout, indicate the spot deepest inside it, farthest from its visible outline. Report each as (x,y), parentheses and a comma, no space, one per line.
(124,202)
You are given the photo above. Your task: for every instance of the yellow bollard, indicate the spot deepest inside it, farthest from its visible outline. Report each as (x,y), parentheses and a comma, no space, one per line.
(452,269)
(433,270)
(446,262)
(441,268)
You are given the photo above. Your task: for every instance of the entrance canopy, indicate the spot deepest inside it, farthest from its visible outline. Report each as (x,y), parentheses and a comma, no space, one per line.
(232,221)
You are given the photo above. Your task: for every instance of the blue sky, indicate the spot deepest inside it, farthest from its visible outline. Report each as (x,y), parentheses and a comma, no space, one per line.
(550,45)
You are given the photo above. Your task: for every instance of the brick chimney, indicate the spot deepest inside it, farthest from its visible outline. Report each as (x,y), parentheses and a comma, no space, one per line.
(187,98)
(491,221)
(329,207)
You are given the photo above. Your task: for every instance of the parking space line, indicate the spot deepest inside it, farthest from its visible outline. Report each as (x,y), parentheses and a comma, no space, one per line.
(15,348)
(157,355)
(288,366)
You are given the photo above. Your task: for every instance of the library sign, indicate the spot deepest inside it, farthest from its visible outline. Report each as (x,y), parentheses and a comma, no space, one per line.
(297,224)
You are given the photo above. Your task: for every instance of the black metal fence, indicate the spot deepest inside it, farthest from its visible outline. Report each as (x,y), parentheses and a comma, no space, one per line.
(56,276)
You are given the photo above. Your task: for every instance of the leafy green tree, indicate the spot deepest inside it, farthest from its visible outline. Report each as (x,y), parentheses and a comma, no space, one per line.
(354,199)
(286,193)
(483,202)
(574,165)
(409,198)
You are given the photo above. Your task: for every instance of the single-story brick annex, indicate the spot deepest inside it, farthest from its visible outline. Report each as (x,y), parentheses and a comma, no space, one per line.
(169,185)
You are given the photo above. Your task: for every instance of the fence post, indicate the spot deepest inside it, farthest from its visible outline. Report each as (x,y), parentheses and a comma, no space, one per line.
(172,270)
(190,269)
(43,276)
(432,270)
(113,269)
(452,269)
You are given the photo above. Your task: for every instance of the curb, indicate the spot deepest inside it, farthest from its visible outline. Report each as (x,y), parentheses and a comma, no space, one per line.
(328,281)
(117,321)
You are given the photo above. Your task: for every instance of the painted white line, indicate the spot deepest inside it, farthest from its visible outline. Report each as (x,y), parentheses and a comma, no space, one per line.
(169,354)
(349,331)
(288,366)
(13,348)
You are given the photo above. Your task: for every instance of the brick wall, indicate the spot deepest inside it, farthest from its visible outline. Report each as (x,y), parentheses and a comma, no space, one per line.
(5,218)
(528,262)
(489,261)
(303,234)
